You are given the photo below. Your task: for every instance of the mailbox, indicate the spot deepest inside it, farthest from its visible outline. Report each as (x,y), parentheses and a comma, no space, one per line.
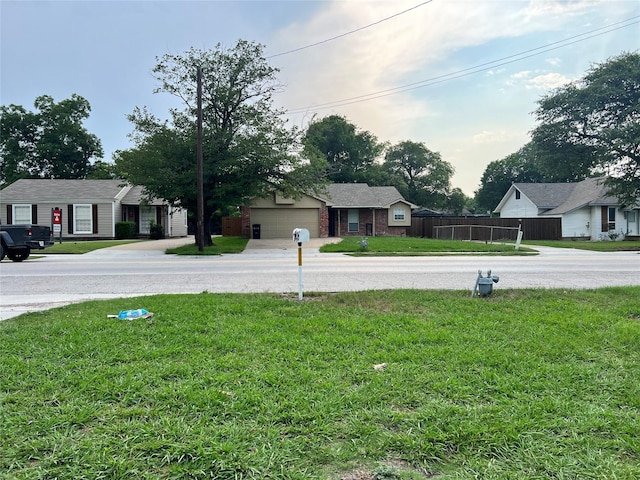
(300,235)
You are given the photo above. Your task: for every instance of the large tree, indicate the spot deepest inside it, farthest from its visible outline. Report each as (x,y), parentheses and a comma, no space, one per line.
(425,179)
(247,149)
(519,167)
(350,154)
(48,143)
(600,114)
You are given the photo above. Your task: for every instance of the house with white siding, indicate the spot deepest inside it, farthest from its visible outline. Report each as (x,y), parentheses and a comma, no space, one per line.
(90,208)
(585,208)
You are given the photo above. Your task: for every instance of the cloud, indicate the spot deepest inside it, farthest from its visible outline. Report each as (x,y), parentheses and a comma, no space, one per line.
(547,81)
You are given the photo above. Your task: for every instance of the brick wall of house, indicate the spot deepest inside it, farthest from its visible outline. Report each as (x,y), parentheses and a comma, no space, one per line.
(366,217)
(324,221)
(245,216)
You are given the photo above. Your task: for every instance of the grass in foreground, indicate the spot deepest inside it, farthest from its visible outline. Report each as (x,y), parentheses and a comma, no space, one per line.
(523,384)
(221,245)
(74,247)
(604,246)
(420,246)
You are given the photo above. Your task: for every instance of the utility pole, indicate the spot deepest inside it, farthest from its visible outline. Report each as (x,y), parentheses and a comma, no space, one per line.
(200,173)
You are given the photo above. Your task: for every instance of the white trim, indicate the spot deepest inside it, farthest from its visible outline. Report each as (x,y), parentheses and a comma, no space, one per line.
(76,230)
(14,219)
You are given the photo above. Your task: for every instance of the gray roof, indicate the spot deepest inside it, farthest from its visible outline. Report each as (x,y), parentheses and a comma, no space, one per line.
(136,196)
(360,195)
(560,198)
(546,195)
(30,190)
(591,191)
(46,190)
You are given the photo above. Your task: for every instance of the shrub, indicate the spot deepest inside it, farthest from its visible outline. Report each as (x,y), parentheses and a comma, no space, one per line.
(125,230)
(156,231)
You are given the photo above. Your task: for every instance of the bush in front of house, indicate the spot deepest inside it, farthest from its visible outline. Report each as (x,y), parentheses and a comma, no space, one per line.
(125,230)
(156,231)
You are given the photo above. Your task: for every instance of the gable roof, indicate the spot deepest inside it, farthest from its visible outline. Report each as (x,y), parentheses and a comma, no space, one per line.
(46,190)
(36,190)
(545,195)
(560,198)
(361,195)
(591,191)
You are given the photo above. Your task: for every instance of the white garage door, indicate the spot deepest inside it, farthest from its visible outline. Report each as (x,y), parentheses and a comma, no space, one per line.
(279,223)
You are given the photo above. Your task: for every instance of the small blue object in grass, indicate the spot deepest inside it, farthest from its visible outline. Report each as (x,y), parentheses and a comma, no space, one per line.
(132,314)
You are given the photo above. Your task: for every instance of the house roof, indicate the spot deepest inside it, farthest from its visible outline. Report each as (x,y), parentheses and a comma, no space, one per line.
(45,190)
(546,195)
(560,198)
(591,191)
(361,195)
(33,190)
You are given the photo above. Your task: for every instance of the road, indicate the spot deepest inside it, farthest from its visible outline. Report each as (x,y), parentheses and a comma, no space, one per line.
(56,280)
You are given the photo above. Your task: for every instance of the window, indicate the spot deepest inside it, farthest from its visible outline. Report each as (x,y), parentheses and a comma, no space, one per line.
(147,217)
(354,220)
(398,214)
(21,214)
(517,194)
(82,219)
(612,218)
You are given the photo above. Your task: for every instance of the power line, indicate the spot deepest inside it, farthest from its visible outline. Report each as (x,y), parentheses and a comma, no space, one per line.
(349,32)
(472,70)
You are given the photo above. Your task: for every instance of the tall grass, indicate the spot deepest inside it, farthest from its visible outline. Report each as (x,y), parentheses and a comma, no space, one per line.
(522,384)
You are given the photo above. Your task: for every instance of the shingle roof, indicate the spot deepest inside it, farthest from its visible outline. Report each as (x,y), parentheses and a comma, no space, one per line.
(560,198)
(591,191)
(360,195)
(546,195)
(46,190)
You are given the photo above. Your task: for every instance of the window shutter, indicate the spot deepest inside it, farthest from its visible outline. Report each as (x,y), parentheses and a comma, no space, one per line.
(604,212)
(9,214)
(94,219)
(70,219)
(34,214)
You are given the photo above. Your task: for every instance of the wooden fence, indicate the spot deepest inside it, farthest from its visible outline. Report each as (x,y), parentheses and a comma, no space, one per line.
(475,228)
(231,226)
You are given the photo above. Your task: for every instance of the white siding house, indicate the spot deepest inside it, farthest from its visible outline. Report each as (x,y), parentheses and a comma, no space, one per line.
(585,208)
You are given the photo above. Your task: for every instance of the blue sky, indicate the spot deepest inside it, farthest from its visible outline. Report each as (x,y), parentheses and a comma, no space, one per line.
(105,50)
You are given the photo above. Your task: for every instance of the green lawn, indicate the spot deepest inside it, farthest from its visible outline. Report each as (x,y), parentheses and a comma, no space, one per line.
(520,385)
(420,246)
(588,245)
(85,246)
(221,245)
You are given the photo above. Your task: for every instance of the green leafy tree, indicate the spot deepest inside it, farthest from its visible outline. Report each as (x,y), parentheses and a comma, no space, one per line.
(424,178)
(457,201)
(48,143)
(247,149)
(350,154)
(600,114)
(518,167)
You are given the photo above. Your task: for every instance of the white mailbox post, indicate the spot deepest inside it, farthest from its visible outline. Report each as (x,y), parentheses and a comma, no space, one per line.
(300,236)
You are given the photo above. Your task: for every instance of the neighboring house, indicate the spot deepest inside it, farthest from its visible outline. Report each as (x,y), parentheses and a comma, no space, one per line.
(90,208)
(585,208)
(344,209)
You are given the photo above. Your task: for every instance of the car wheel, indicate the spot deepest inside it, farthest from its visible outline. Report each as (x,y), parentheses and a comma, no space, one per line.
(19,255)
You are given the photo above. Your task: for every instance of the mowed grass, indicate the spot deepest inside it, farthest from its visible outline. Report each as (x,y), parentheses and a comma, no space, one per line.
(521,385)
(85,246)
(420,246)
(220,245)
(604,246)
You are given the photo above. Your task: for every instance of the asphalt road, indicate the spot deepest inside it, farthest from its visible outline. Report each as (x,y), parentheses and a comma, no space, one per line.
(267,266)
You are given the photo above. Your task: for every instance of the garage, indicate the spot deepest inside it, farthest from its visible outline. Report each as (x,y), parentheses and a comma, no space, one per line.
(279,222)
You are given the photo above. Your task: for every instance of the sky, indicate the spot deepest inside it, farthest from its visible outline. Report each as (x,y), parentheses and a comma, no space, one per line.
(461,76)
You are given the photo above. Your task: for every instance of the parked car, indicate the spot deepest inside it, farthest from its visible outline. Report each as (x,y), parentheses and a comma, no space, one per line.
(17,241)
